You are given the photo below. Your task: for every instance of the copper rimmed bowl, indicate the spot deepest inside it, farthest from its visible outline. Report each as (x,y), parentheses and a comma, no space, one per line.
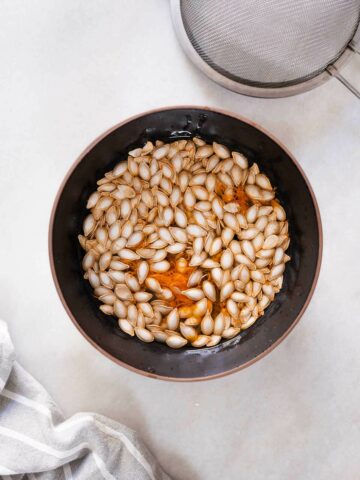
(293,190)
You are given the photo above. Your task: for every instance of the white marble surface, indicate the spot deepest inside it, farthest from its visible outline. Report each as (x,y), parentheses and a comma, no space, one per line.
(69,70)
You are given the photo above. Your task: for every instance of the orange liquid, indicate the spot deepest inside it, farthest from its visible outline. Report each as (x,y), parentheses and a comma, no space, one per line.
(238,196)
(176,280)
(242,199)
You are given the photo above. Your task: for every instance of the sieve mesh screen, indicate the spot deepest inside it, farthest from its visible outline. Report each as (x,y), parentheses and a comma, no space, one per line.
(270,43)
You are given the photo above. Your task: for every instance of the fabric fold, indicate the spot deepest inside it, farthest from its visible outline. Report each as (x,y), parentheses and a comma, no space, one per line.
(36,441)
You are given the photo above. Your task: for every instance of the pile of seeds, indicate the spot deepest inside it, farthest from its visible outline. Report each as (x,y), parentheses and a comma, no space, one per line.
(185,243)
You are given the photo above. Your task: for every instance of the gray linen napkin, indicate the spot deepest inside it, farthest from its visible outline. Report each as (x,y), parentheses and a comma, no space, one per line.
(36,442)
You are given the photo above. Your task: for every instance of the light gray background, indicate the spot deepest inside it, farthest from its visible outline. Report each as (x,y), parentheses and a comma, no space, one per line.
(70,69)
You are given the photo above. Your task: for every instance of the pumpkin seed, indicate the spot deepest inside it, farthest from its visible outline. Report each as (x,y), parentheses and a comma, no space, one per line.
(172,320)
(209,290)
(160,266)
(188,332)
(126,327)
(201,341)
(175,341)
(230,332)
(194,294)
(144,335)
(240,160)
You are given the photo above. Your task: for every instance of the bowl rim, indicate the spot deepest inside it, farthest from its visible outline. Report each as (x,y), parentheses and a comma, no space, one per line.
(52,263)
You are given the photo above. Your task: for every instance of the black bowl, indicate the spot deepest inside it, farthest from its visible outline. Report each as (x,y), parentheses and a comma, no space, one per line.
(293,190)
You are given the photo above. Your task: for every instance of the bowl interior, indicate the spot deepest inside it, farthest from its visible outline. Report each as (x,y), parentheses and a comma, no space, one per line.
(156,359)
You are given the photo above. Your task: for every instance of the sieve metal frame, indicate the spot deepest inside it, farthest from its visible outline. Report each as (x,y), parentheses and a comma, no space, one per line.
(249,90)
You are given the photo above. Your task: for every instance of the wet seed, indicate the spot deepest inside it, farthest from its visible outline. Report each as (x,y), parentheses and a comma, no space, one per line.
(204,151)
(197,260)
(240,160)
(120,309)
(232,308)
(188,332)
(89,225)
(248,249)
(207,324)
(197,180)
(201,341)
(108,298)
(106,280)
(123,292)
(180,218)
(176,248)
(132,282)
(195,230)
(249,234)
(179,234)
(240,297)
(209,290)
(214,340)
(216,246)
(210,263)
(127,254)
(159,267)
(107,309)
(105,260)
(172,320)
(227,259)
(200,219)
(126,327)
(135,239)
(200,308)
(226,290)
(166,236)
(276,271)
(231,221)
(257,276)
(230,332)
(144,335)
(175,341)
(194,294)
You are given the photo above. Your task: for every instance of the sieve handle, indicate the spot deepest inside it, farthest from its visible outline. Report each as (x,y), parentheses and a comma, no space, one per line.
(335,73)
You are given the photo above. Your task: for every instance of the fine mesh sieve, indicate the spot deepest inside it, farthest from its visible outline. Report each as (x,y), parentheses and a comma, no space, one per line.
(269,48)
